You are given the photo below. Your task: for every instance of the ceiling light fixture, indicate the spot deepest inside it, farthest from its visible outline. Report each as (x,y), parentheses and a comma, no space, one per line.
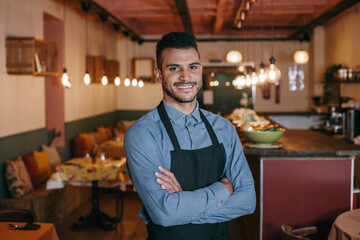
(261,74)
(65,78)
(301,56)
(273,73)
(117,81)
(127,82)
(104,79)
(86,7)
(233,56)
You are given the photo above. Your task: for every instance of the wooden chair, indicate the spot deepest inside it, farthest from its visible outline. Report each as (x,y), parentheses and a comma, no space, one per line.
(17,215)
(288,233)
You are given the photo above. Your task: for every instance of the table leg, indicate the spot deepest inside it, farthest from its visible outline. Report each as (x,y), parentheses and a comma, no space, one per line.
(95,217)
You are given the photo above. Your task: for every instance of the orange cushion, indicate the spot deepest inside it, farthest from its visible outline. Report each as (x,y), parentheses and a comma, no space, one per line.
(43,162)
(78,147)
(102,130)
(89,143)
(32,169)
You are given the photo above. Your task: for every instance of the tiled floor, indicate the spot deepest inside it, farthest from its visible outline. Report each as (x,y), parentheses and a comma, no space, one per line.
(132,227)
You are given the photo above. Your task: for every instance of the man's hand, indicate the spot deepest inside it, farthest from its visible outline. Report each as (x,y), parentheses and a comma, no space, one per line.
(167,180)
(228,185)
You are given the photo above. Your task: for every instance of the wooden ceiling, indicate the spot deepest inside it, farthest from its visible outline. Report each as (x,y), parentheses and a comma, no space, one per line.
(213,20)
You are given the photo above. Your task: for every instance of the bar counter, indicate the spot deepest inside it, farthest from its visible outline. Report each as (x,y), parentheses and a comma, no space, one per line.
(305,143)
(307,182)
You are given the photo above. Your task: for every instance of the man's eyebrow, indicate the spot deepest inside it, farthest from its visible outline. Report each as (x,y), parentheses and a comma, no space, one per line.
(173,65)
(176,65)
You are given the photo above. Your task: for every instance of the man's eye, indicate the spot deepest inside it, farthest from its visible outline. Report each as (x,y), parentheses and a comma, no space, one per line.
(193,67)
(174,68)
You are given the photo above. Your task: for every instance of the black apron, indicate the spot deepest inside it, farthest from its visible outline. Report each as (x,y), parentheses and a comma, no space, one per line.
(193,169)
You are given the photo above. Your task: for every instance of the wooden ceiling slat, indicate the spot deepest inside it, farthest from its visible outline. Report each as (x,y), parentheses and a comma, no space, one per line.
(220,14)
(183,10)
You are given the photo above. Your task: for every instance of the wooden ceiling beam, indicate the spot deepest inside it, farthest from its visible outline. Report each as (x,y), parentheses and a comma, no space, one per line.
(220,14)
(183,11)
(332,12)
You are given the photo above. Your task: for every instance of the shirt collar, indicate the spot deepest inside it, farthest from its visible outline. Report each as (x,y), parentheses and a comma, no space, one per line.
(177,116)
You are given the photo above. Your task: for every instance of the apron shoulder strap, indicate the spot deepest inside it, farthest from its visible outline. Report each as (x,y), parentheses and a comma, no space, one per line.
(210,130)
(166,121)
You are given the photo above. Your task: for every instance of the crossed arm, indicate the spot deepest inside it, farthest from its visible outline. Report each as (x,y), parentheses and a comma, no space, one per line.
(163,198)
(167,180)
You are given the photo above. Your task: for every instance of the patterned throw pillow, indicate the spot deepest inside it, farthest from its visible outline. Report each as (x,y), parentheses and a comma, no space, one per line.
(32,169)
(53,156)
(17,178)
(43,162)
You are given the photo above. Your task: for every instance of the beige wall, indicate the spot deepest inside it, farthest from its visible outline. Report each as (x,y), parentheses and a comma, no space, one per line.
(342,46)
(22,98)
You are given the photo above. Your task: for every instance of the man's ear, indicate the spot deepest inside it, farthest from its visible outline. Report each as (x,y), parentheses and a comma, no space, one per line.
(157,75)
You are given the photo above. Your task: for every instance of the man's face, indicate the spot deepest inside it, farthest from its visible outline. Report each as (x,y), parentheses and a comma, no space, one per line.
(181,75)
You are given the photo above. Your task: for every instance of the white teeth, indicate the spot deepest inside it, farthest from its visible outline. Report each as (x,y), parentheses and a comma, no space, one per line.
(184,86)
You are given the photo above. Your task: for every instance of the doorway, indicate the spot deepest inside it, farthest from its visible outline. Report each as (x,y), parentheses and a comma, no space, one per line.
(54,91)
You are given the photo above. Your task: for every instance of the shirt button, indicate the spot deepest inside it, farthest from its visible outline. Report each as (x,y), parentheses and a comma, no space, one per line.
(191,132)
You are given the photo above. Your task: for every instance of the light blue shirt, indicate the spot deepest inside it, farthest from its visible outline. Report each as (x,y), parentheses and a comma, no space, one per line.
(147,146)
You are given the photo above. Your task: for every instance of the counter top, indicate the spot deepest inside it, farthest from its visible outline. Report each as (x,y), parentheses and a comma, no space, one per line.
(305,143)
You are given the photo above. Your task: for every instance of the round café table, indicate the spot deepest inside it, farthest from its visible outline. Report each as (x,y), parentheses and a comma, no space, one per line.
(346,226)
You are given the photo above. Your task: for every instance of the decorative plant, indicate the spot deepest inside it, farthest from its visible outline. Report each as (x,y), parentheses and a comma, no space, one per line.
(52,134)
(331,91)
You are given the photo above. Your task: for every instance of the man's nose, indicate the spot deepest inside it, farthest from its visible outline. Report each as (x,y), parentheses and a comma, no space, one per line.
(184,75)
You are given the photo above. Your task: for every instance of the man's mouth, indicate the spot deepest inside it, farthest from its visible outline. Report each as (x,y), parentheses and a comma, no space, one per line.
(185,85)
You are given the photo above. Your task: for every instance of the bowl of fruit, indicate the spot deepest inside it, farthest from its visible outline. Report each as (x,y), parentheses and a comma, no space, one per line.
(262,134)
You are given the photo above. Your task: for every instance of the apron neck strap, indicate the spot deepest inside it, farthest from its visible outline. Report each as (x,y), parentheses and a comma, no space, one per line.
(166,121)
(210,130)
(170,130)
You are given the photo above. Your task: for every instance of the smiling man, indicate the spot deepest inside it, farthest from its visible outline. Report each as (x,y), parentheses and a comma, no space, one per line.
(187,164)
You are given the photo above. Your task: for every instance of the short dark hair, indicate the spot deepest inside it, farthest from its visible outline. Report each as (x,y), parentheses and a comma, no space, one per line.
(179,40)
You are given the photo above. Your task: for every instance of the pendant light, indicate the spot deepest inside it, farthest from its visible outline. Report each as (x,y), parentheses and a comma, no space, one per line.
(127,82)
(301,56)
(134,82)
(233,56)
(86,7)
(273,73)
(104,79)
(64,78)
(261,74)
(117,81)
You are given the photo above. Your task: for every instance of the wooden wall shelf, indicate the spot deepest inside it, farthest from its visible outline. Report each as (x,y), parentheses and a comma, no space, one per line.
(27,55)
(98,65)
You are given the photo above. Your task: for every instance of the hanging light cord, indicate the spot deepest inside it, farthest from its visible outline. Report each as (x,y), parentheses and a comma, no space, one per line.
(104,39)
(86,33)
(272,27)
(64,13)
(262,33)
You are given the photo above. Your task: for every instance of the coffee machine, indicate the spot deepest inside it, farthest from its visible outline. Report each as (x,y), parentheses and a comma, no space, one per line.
(336,123)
